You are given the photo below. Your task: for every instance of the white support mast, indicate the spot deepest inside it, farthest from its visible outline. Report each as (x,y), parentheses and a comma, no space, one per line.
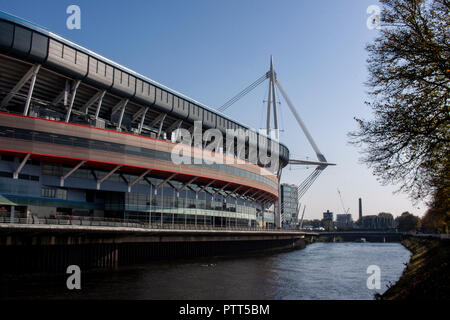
(302,125)
(321,164)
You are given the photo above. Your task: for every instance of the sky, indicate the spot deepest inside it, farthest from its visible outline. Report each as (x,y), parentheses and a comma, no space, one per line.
(209,50)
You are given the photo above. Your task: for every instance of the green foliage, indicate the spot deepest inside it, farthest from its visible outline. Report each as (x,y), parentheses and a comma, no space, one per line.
(316,223)
(407,141)
(427,275)
(407,222)
(437,218)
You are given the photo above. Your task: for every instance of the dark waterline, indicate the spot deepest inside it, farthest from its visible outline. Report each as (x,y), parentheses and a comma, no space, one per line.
(320,271)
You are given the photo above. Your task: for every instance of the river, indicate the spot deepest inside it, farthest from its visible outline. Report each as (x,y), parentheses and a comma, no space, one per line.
(320,271)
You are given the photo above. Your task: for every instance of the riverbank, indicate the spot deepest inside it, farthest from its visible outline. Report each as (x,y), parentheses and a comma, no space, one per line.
(427,274)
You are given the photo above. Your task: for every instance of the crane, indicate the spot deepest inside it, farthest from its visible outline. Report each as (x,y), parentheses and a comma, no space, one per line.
(342,202)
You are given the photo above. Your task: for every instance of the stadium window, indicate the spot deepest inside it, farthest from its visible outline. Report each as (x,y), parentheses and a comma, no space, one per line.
(55,193)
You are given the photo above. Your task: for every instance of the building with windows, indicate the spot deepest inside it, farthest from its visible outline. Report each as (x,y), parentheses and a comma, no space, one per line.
(377,222)
(83,135)
(327,220)
(289,204)
(344,220)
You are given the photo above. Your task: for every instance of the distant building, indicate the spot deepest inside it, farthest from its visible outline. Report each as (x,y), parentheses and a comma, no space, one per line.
(328,215)
(376,222)
(289,203)
(344,220)
(327,220)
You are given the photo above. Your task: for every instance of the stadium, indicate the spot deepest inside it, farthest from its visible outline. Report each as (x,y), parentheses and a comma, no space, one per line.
(82,136)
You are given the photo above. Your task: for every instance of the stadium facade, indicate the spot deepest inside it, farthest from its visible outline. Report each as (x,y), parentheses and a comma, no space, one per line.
(82,135)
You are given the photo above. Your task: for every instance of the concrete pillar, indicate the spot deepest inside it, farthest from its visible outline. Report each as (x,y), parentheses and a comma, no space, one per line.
(29,216)
(11,217)
(116,256)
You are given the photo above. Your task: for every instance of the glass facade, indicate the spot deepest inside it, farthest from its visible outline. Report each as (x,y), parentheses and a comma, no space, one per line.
(170,203)
(289,203)
(56,193)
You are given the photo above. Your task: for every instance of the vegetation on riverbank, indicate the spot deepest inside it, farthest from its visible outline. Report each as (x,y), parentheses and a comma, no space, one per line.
(427,274)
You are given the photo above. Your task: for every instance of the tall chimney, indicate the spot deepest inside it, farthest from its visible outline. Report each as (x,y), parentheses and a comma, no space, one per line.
(360,209)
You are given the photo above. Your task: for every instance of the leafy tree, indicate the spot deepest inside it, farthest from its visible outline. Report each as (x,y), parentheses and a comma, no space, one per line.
(407,222)
(437,218)
(408,140)
(316,223)
(328,224)
(435,221)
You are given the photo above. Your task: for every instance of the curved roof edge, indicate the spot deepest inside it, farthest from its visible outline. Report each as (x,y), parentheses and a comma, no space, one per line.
(15,19)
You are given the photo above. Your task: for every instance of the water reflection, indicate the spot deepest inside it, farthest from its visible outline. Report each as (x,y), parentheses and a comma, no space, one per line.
(320,271)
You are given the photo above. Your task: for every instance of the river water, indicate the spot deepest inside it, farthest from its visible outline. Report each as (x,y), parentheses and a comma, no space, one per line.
(320,271)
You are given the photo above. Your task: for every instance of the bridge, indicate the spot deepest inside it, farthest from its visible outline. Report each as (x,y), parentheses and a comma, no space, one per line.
(370,236)
(54,244)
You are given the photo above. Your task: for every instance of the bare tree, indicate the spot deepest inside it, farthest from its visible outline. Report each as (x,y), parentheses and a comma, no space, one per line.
(407,140)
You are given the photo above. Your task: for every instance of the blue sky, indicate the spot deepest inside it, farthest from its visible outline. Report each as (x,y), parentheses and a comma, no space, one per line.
(210,50)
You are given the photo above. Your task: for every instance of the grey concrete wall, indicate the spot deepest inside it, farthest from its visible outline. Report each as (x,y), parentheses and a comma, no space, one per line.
(33,248)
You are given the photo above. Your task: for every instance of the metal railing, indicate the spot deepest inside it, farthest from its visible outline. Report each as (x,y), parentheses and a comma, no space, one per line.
(441,236)
(128,223)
